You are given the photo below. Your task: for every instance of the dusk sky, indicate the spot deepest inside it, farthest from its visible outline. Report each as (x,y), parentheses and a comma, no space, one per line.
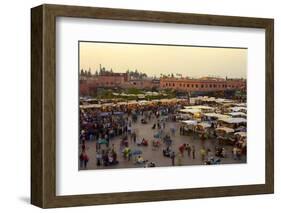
(156,59)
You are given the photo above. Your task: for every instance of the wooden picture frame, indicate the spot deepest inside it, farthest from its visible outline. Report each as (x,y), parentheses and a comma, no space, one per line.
(43,105)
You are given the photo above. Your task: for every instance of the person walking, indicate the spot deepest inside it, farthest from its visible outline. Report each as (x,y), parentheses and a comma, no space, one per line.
(99,157)
(179,159)
(182,149)
(129,154)
(114,156)
(81,160)
(234,153)
(203,153)
(86,160)
(193,152)
(188,149)
(173,158)
(134,137)
(106,137)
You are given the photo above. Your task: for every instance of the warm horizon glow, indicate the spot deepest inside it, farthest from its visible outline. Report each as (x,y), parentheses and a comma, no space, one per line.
(154,60)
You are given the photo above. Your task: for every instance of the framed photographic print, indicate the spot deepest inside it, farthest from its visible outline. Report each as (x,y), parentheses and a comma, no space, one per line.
(136,106)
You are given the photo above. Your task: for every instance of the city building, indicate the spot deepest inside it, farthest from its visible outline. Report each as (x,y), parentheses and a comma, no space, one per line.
(108,79)
(143,83)
(202,84)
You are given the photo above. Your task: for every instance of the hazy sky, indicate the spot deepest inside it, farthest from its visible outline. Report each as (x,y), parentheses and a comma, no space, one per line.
(156,59)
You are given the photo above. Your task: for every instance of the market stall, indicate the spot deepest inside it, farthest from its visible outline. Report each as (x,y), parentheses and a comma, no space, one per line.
(225,135)
(187,126)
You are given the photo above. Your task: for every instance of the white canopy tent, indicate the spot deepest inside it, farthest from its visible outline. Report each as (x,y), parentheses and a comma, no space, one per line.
(233,120)
(90,106)
(201,107)
(238,109)
(225,129)
(215,115)
(191,111)
(237,114)
(143,102)
(241,105)
(204,125)
(190,122)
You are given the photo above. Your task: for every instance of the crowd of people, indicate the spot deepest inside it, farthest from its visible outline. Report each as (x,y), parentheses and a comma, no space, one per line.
(103,126)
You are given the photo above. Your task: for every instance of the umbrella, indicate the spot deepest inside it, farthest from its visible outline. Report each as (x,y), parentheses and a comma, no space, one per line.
(137,152)
(118,113)
(103,114)
(157,135)
(102,141)
(241,129)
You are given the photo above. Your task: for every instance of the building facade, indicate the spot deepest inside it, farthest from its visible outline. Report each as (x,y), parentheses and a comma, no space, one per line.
(142,84)
(90,84)
(115,80)
(202,85)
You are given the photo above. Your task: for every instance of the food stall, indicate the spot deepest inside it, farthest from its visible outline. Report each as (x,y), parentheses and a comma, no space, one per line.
(225,135)
(186,114)
(203,129)
(202,108)
(214,116)
(242,140)
(188,126)
(232,122)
